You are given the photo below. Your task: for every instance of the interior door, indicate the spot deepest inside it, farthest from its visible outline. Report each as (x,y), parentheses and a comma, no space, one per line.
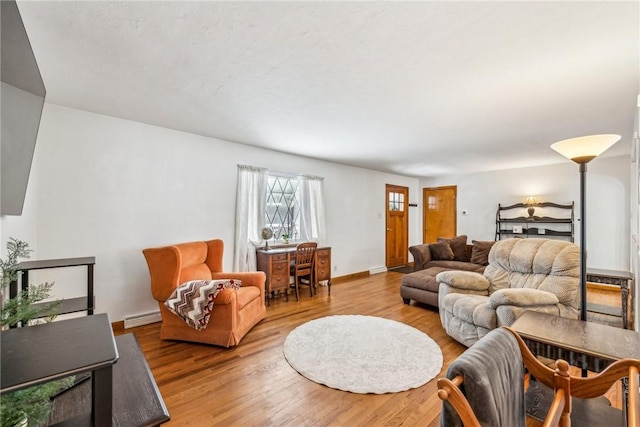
(439,213)
(397,225)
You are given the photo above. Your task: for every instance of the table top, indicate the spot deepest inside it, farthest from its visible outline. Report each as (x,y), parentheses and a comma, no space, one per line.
(36,354)
(282,250)
(616,274)
(594,339)
(55,263)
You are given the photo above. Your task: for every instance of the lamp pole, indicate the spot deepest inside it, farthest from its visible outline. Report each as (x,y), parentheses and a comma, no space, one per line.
(583,241)
(582,150)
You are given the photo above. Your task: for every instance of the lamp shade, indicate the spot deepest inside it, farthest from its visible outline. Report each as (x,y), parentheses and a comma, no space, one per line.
(531,200)
(585,148)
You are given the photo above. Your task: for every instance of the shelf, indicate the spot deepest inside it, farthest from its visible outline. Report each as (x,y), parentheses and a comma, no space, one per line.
(530,225)
(534,232)
(544,219)
(69,305)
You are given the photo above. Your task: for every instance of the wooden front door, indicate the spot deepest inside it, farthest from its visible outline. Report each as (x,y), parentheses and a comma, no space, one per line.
(439,213)
(397,225)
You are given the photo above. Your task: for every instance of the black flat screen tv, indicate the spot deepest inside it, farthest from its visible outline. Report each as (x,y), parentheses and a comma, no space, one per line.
(21,101)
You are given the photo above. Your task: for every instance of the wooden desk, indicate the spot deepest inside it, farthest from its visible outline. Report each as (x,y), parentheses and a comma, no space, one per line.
(614,278)
(275,262)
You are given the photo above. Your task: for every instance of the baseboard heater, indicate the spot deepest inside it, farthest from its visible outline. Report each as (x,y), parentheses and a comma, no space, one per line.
(376,270)
(141,319)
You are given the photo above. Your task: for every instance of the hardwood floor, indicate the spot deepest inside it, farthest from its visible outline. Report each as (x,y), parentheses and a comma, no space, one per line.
(253,385)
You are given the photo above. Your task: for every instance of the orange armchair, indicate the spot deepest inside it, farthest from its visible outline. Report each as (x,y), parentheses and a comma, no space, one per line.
(234,312)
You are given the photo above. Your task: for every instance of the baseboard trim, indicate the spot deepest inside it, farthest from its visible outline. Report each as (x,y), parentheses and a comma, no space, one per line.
(348,277)
(118,326)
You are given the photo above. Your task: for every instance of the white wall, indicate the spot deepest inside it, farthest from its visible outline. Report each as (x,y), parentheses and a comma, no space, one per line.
(109,188)
(608,202)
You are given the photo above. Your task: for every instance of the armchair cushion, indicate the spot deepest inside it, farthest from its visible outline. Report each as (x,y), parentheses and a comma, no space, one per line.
(463,280)
(192,301)
(522,298)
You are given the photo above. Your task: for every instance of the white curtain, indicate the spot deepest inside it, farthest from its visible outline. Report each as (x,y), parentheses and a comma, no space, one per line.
(312,223)
(250,205)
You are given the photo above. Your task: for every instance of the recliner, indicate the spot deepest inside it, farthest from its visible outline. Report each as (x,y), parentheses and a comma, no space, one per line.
(523,274)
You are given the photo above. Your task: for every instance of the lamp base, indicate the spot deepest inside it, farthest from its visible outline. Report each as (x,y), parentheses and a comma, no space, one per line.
(530,211)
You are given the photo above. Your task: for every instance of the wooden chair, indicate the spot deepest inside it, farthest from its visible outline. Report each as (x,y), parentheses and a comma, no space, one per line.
(564,387)
(302,267)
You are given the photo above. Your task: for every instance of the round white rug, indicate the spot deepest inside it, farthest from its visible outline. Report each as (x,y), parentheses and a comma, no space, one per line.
(363,354)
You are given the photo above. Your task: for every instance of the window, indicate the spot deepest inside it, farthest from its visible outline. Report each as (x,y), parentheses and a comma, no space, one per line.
(396,201)
(283,207)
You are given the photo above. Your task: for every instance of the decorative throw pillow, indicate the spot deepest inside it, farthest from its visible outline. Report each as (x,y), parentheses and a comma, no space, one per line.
(480,251)
(441,251)
(458,246)
(192,301)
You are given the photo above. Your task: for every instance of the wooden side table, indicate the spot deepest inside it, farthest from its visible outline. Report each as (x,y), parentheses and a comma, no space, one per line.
(587,345)
(56,350)
(621,279)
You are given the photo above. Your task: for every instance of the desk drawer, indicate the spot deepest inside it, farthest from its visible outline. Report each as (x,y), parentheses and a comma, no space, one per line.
(323,264)
(279,257)
(279,274)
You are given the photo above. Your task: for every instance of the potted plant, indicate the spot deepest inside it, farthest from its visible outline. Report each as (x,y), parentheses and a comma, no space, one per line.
(285,237)
(32,405)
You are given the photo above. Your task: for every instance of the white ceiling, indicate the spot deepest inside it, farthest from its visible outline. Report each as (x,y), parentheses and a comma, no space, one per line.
(415,88)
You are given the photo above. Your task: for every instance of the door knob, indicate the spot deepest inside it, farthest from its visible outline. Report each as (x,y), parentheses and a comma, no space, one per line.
(388,229)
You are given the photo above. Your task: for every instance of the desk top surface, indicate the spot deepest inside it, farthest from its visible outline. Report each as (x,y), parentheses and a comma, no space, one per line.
(281,250)
(41,353)
(594,339)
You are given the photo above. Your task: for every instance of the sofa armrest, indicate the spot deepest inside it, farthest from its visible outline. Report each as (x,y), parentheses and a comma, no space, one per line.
(421,256)
(522,297)
(468,280)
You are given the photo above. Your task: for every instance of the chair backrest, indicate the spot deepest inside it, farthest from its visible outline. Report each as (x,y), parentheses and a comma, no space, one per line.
(305,255)
(493,392)
(170,266)
(544,264)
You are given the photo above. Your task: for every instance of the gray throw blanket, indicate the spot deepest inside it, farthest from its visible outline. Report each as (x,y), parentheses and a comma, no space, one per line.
(493,382)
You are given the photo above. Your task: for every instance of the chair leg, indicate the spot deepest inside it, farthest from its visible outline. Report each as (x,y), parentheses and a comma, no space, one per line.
(297,292)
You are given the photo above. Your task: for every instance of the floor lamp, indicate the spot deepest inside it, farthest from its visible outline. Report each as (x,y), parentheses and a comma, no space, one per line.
(582,150)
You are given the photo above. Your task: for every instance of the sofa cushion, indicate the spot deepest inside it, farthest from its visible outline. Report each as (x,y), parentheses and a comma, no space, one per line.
(458,245)
(441,250)
(455,265)
(480,251)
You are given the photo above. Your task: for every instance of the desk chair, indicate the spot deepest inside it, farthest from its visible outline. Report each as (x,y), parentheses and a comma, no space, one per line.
(302,267)
(485,387)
